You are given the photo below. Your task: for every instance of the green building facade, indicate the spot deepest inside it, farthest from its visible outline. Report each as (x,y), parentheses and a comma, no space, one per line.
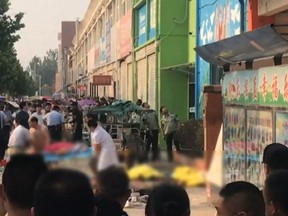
(163,56)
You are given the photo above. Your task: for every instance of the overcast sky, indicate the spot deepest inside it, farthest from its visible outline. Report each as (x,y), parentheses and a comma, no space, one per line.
(43,23)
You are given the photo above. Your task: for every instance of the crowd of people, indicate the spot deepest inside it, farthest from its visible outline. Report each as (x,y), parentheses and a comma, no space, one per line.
(32,187)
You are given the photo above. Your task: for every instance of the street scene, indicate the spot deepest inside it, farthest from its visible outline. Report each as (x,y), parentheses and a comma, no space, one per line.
(144,108)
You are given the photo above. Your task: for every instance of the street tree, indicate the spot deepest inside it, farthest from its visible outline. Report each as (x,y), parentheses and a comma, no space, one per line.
(13,79)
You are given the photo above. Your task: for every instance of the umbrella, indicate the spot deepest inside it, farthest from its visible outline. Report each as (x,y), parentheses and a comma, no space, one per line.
(14,104)
(118,108)
(86,103)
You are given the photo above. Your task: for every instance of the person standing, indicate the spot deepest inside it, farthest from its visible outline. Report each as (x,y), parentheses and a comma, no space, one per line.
(47,111)
(6,129)
(150,122)
(38,114)
(103,145)
(19,140)
(169,126)
(55,123)
(22,117)
(39,135)
(78,123)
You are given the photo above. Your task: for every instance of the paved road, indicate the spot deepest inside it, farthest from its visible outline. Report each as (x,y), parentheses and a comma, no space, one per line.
(199,205)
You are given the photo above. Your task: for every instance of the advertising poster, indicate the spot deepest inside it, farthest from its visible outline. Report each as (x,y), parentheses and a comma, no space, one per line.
(108,42)
(259,135)
(97,55)
(282,128)
(102,50)
(152,30)
(266,86)
(234,144)
(125,35)
(142,19)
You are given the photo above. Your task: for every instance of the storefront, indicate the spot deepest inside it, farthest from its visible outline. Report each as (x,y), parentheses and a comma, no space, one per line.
(255,111)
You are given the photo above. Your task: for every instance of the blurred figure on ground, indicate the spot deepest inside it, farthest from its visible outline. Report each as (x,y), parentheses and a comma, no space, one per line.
(78,122)
(270,160)
(169,126)
(5,129)
(19,140)
(103,145)
(150,123)
(63,193)
(18,182)
(276,194)
(241,199)
(38,114)
(55,123)
(22,117)
(112,192)
(168,200)
(39,136)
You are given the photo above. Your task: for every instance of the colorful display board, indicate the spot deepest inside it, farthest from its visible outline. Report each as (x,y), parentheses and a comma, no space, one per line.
(281,123)
(266,86)
(234,144)
(259,134)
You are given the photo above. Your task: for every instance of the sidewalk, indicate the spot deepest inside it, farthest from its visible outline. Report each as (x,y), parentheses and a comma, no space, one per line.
(199,205)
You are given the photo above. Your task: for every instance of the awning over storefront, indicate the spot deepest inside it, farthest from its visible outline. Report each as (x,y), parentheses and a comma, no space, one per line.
(264,42)
(185,68)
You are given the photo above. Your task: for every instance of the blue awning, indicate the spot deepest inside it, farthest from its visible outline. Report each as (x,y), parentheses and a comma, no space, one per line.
(264,42)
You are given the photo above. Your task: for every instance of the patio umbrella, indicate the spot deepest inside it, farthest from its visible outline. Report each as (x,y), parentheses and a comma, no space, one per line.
(83,103)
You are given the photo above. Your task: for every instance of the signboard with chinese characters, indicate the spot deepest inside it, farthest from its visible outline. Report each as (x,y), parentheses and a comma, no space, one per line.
(281,124)
(259,134)
(102,80)
(266,86)
(234,144)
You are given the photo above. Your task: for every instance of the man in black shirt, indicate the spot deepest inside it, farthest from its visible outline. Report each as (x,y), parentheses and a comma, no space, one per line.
(22,116)
(78,122)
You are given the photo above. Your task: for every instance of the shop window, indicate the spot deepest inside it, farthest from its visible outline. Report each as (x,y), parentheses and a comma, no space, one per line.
(191,93)
(141,28)
(152,20)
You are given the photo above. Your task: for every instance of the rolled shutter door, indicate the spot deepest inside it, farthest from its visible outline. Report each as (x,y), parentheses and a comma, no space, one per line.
(142,80)
(152,94)
(130,82)
(123,84)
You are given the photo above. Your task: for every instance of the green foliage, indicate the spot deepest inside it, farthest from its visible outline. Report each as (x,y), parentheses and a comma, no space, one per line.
(45,67)
(13,80)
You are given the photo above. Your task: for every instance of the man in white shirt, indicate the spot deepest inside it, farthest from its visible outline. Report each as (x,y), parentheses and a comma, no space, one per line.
(38,114)
(103,145)
(19,140)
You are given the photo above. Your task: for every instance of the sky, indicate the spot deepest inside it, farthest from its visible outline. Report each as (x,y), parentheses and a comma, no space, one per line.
(43,23)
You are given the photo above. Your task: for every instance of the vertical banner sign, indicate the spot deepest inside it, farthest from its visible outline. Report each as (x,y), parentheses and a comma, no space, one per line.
(152,31)
(102,50)
(259,135)
(142,19)
(97,55)
(108,41)
(282,128)
(234,144)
